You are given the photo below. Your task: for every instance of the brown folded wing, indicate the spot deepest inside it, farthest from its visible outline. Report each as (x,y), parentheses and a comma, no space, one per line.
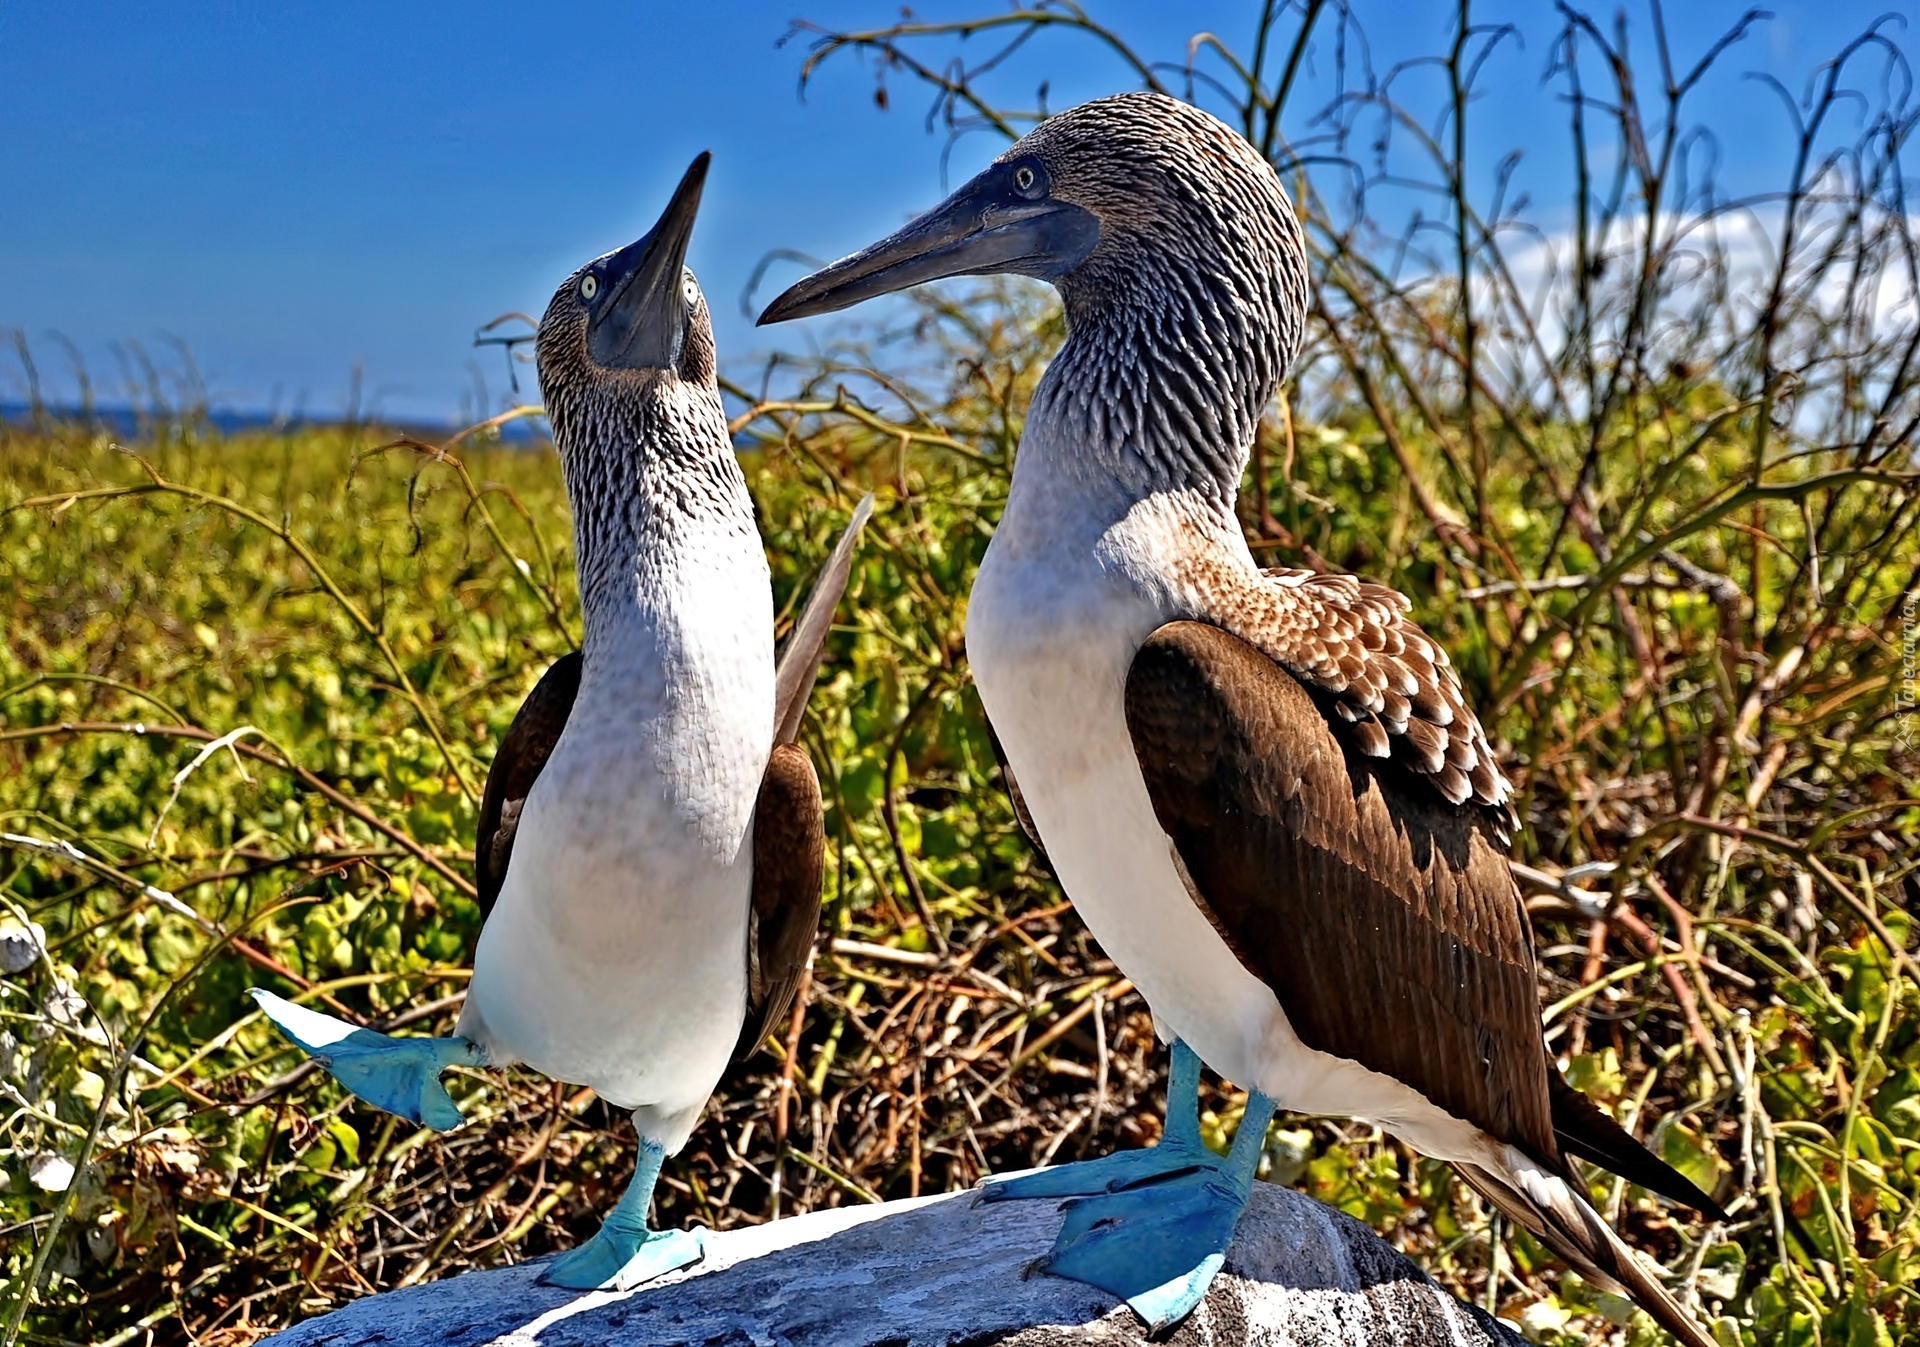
(1383,917)
(789,844)
(529,743)
(789,836)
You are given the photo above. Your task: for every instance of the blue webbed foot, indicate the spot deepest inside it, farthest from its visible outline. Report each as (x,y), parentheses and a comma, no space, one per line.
(1152,1226)
(1104,1174)
(1180,1150)
(623,1253)
(400,1075)
(1157,1245)
(615,1261)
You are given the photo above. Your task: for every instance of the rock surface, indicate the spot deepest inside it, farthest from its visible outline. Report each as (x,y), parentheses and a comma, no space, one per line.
(936,1272)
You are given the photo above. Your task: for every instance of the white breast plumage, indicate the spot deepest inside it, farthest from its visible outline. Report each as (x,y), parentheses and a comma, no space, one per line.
(615,955)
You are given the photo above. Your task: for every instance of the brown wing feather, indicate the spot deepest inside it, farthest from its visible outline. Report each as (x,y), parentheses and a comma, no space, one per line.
(1349,640)
(1363,899)
(789,837)
(529,743)
(1574,1231)
(789,843)
(799,662)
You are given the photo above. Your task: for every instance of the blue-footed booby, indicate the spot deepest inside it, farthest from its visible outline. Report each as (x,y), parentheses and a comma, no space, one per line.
(1264,791)
(649,848)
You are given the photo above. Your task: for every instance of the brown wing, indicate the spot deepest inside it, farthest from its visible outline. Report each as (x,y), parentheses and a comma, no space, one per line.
(529,742)
(789,844)
(789,837)
(1388,685)
(1363,898)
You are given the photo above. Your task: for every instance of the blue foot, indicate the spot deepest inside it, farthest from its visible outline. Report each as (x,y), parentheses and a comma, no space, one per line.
(612,1262)
(1107,1174)
(1180,1150)
(1156,1246)
(400,1075)
(1152,1227)
(623,1253)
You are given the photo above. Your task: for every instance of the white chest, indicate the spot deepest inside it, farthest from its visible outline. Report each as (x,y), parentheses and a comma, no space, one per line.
(1052,628)
(615,956)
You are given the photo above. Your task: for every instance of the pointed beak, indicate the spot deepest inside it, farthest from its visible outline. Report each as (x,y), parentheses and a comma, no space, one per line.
(640,323)
(986,227)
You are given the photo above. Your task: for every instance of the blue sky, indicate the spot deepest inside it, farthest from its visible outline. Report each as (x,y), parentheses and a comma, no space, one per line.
(295,189)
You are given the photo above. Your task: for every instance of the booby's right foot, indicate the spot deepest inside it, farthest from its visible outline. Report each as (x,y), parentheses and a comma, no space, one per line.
(1152,1226)
(1158,1243)
(400,1075)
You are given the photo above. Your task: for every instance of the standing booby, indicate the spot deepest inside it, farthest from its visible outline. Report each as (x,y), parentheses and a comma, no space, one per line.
(649,849)
(1264,791)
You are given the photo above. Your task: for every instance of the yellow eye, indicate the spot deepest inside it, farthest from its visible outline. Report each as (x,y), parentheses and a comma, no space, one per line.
(589,286)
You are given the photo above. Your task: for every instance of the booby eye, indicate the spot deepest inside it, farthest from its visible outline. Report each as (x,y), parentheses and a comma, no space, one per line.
(1026,181)
(690,290)
(589,286)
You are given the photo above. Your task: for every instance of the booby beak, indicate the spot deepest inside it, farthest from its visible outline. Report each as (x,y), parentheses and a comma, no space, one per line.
(988,226)
(642,314)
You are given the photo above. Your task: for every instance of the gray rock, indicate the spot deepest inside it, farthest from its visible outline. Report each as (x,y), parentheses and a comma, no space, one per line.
(936,1272)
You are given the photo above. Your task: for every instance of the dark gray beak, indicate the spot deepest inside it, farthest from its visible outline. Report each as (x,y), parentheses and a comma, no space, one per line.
(988,226)
(639,310)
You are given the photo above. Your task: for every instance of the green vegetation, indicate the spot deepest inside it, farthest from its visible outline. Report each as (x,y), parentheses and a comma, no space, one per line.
(249,688)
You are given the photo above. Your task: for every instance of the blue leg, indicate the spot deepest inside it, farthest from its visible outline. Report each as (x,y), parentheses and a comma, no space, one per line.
(1158,1245)
(1154,1234)
(400,1075)
(1180,1149)
(623,1253)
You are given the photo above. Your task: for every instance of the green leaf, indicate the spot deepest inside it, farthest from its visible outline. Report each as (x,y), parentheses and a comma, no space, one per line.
(1598,1075)
(348,1139)
(1686,1152)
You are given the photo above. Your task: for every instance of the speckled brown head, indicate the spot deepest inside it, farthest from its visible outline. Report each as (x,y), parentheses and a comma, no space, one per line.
(629,329)
(627,370)
(1101,200)
(1177,254)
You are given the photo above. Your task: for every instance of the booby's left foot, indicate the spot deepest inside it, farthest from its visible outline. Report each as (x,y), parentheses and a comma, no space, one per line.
(1178,1151)
(623,1253)
(1159,1245)
(620,1261)
(400,1075)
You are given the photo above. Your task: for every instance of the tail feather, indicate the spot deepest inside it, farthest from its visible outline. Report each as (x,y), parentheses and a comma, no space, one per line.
(799,659)
(1566,1223)
(1585,1129)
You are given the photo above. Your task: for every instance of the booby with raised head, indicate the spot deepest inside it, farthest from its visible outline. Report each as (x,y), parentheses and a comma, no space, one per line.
(1263,790)
(649,847)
